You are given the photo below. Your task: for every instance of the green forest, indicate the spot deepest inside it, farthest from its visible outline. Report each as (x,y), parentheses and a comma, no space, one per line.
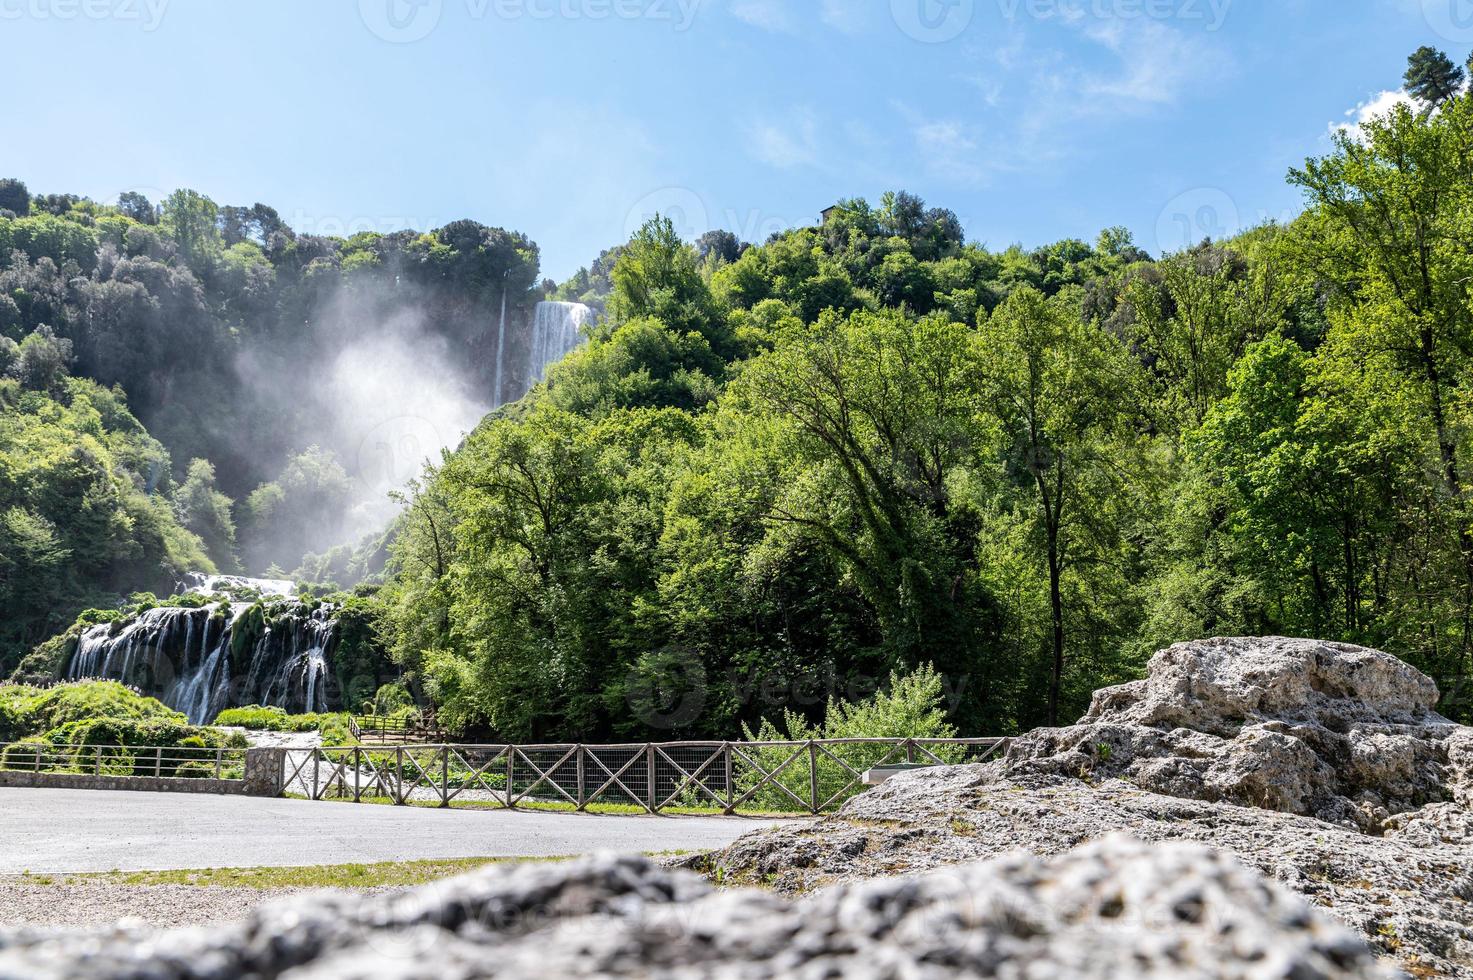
(781,473)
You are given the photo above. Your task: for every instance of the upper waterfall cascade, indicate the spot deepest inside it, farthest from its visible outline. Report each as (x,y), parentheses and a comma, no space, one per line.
(557,329)
(212,584)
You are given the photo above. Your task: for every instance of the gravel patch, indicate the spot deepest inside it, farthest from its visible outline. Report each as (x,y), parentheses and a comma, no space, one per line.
(92,903)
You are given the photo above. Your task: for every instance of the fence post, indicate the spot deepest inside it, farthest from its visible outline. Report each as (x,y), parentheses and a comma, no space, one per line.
(730,781)
(399,776)
(158,761)
(910,751)
(511,762)
(219,761)
(813,773)
(444,775)
(357,774)
(97,764)
(649,755)
(317,793)
(581,764)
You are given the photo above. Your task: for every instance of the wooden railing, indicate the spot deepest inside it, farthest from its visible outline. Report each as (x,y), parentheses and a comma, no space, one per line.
(728,777)
(381,728)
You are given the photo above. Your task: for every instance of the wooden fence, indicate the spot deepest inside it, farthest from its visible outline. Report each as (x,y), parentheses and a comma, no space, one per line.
(729,777)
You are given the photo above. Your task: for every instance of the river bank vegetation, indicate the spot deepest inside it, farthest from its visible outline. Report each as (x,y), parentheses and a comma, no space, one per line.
(777,474)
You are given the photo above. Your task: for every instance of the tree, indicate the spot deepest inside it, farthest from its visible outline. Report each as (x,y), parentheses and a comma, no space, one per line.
(305,509)
(656,276)
(42,361)
(138,207)
(1057,390)
(1191,323)
(206,511)
(860,431)
(14,197)
(719,245)
(190,218)
(1431,76)
(1388,226)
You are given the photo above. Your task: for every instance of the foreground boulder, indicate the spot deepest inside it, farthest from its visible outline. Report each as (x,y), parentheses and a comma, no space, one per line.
(1117,908)
(1325,766)
(1329,730)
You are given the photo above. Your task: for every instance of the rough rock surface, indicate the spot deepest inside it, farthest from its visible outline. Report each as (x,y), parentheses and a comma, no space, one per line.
(1328,730)
(1323,765)
(1117,908)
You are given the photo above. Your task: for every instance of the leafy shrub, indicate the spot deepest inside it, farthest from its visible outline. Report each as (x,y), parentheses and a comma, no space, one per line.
(42,711)
(126,732)
(195,770)
(255,718)
(334,727)
(392,699)
(912,706)
(46,662)
(10,722)
(23,756)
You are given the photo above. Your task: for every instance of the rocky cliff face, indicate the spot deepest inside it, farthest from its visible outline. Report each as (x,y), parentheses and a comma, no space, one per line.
(1118,908)
(1323,765)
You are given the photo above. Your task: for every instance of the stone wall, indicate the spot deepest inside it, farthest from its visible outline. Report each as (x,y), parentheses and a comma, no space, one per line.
(144,784)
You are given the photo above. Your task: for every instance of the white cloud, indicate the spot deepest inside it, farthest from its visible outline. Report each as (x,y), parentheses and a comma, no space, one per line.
(781,16)
(844,15)
(786,145)
(769,15)
(989,88)
(949,149)
(1158,62)
(1372,108)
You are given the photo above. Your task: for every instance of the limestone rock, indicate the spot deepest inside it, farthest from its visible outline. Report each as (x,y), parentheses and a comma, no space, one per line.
(1323,765)
(1118,908)
(1328,730)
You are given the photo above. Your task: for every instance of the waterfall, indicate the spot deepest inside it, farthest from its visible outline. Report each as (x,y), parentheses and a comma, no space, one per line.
(215,584)
(190,658)
(500,350)
(556,330)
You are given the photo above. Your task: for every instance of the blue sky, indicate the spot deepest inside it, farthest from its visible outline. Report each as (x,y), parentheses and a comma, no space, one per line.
(571,120)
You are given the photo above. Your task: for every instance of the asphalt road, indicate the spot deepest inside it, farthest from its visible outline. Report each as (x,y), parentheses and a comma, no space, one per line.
(63,830)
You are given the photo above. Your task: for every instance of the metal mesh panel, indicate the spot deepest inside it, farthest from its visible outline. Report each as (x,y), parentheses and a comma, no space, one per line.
(691,776)
(546,774)
(477,774)
(617,774)
(748,777)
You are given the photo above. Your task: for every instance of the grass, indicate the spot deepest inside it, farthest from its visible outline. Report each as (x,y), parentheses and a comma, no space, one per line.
(558,806)
(393,874)
(390,874)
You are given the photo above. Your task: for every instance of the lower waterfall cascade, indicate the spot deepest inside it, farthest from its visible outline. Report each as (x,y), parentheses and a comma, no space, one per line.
(200,661)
